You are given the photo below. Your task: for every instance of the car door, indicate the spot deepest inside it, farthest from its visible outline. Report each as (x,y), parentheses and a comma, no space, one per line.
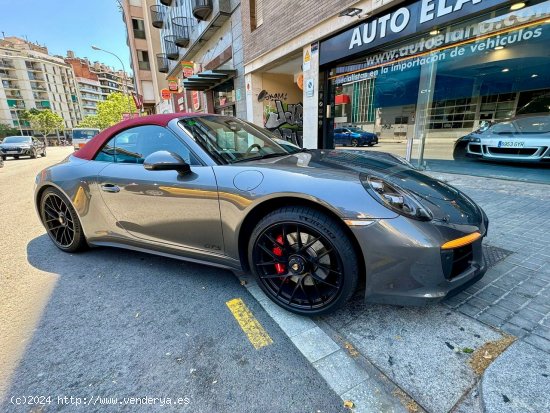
(160,206)
(338,136)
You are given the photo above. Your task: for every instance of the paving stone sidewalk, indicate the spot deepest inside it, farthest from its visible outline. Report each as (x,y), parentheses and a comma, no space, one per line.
(514,295)
(427,352)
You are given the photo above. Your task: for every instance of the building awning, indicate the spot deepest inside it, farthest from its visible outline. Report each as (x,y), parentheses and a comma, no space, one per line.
(208,79)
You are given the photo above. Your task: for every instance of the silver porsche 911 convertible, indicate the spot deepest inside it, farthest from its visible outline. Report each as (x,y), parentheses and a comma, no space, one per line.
(312,225)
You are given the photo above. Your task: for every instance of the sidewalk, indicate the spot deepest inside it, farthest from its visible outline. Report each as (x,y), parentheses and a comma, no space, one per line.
(486,350)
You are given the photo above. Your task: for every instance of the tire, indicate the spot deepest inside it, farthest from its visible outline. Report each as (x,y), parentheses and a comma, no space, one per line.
(354,142)
(34,155)
(4,157)
(44,153)
(317,271)
(15,156)
(61,221)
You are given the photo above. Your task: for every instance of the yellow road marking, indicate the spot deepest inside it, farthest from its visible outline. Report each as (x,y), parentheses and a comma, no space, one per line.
(252,327)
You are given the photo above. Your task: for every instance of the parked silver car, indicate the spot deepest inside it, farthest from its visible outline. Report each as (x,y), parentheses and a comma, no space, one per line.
(524,139)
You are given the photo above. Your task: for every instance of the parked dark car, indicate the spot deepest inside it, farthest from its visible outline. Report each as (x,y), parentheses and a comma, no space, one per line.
(354,137)
(17,146)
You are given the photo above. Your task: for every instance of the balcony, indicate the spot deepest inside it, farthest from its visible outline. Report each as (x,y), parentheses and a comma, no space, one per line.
(157,16)
(202,9)
(180,29)
(162,63)
(166,2)
(5,64)
(172,51)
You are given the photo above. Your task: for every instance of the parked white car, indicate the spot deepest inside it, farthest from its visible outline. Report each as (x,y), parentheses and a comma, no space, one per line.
(524,139)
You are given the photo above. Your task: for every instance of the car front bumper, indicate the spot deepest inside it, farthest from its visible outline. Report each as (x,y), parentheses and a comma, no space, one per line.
(405,264)
(16,152)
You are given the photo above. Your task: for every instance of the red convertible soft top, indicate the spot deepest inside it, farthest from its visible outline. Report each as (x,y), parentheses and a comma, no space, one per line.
(90,149)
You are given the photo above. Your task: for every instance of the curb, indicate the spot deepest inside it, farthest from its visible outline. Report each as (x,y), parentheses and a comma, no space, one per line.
(341,372)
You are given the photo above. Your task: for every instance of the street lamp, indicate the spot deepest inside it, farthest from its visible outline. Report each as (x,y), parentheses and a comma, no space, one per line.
(124,84)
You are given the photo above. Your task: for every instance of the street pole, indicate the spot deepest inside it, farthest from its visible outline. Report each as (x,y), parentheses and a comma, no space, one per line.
(18,122)
(124,85)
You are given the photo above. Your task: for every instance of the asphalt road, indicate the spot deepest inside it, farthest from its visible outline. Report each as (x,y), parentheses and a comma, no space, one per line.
(110,324)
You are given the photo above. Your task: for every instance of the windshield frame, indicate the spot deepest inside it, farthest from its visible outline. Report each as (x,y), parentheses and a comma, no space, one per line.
(207,142)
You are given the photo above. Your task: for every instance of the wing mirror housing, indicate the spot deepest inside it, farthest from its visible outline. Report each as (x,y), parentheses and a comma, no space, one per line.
(166,161)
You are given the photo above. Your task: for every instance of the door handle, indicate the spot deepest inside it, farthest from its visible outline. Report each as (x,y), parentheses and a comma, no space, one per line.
(110,188)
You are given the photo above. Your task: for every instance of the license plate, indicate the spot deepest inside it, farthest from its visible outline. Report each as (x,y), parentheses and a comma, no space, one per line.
(510,144)
(10,152)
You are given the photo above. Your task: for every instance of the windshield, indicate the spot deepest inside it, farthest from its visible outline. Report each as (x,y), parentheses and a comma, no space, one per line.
(84,133)
(231,140)
(523,126)
(17,139)
(356,130)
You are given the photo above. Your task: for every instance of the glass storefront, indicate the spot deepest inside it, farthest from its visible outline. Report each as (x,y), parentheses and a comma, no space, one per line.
(451,98)
(224,99)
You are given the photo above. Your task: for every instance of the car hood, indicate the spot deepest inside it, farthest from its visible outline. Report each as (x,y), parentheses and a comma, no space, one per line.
(14,145)
(445,202)
(382,164)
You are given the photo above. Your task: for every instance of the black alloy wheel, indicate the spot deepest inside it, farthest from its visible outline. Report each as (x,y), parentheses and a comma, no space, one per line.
(303,261)
(354,142)
(61,221)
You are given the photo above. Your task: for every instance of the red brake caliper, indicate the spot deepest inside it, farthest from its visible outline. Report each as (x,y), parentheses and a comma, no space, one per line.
(278,251)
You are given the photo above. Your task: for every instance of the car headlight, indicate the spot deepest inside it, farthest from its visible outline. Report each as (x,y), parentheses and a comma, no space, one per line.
(395,198)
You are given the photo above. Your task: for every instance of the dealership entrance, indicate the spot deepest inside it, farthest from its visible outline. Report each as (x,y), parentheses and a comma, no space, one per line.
(449,97)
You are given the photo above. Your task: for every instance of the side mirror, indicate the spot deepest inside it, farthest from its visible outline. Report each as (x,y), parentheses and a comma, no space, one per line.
(166,161)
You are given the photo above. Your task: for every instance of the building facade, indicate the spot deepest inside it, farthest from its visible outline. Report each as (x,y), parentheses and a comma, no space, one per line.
(419,74)
(202,55)
(95,81)
(31,78)
(144,43)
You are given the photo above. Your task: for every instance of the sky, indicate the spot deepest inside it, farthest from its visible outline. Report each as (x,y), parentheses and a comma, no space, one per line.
(64,25)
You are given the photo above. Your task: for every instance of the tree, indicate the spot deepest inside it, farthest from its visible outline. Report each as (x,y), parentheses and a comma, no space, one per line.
(110,111)
(90,121)
(45,122)
(7,130)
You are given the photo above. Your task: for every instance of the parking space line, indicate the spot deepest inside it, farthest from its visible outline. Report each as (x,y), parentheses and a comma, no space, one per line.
(256,334)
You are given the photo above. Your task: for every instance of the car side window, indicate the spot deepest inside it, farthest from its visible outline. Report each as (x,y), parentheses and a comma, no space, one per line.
(135,144)
(337,130)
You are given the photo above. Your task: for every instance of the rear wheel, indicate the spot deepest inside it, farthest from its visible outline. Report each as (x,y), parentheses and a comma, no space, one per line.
(303,261)
(44,153)
(354,142)
(61,221)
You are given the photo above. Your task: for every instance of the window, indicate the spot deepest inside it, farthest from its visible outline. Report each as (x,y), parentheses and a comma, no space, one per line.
(135,144)
(256,14)
(143,60)
(139,28)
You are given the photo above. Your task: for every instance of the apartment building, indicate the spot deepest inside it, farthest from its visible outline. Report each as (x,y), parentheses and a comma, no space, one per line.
(95,81)
(144,43)
(31,78)
(202,54)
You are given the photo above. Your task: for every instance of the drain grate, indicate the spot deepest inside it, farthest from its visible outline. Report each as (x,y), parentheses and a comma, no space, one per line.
(493,255)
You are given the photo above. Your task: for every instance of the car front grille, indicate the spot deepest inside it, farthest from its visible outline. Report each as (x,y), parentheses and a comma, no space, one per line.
(456,261)
(512,151)
(10,149)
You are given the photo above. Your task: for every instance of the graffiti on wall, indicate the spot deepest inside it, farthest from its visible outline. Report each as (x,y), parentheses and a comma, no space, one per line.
(286,122)
(264,95)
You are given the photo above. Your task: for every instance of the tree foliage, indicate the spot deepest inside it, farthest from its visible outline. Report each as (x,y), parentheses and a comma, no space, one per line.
(7,130)
(45,121)
(109,111)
